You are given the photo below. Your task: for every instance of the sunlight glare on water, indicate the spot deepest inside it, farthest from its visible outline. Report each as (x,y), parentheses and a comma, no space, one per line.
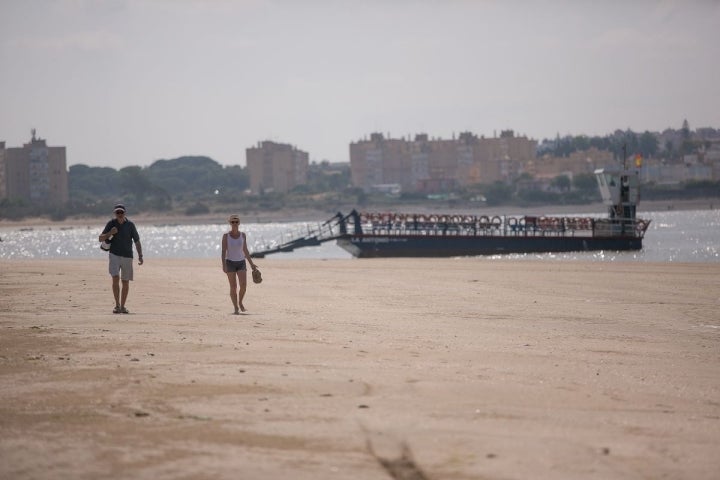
(673,236)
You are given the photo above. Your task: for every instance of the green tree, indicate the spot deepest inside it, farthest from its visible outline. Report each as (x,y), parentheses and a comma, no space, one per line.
(648,144)
(585,182)
(93,182)
(235,179)
(133,182)
(581,143)
(669,148)
(497,193)
(685,130)
(561,183)
(187,174)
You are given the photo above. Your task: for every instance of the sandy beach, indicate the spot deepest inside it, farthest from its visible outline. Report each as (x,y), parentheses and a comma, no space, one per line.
(362,369)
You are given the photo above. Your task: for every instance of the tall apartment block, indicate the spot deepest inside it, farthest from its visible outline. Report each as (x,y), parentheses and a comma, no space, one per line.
(276,167)
(438,165)
(35,173)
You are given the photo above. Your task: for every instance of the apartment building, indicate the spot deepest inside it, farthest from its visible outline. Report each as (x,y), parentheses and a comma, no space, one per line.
(276,167)
(437,165)
(34,173)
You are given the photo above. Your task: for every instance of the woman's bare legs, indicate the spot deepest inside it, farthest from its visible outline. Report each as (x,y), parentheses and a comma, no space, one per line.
(242,280)
(233,290)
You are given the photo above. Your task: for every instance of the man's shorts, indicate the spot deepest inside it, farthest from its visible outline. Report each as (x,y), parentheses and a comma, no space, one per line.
(121,265)
(235,266)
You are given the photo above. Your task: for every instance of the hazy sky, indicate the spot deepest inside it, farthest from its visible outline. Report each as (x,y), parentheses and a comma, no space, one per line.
(128,82)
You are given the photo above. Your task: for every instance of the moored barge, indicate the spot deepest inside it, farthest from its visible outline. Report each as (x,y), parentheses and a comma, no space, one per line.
(367,235)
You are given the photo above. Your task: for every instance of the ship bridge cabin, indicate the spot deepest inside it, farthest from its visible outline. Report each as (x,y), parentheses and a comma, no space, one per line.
(620,190)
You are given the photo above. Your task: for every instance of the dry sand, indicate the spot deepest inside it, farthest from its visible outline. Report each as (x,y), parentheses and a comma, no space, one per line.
(477,368)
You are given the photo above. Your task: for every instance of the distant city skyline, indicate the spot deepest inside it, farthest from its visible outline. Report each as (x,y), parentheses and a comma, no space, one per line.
(129,82)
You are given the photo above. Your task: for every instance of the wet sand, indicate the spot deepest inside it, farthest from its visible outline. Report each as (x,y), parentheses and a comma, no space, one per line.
(475,368)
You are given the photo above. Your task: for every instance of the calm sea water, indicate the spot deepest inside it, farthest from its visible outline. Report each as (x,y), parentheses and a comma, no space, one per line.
(673,236)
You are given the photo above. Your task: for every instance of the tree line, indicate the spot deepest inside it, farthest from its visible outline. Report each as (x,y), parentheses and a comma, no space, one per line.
(623,142)
(157,187)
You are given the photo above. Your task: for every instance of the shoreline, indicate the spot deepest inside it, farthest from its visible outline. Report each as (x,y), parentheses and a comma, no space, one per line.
(308,215)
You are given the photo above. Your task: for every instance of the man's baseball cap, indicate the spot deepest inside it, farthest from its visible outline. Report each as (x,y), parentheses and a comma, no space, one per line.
(119,208)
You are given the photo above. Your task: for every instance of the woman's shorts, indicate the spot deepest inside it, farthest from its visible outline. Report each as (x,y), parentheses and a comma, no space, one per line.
(235,265)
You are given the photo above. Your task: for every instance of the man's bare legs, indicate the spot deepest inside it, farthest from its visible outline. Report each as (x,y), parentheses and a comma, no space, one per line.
(124,292)
(120,296)
(116,290)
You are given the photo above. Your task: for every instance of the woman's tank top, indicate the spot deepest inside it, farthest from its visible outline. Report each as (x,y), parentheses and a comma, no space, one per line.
(235,248)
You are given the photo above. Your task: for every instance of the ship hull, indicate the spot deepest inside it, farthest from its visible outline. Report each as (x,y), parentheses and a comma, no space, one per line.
(376,246)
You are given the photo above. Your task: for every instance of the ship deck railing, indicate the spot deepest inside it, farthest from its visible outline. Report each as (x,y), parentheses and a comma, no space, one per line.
(440,225)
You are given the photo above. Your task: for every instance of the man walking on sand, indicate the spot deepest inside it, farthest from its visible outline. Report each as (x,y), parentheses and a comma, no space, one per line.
(121,233)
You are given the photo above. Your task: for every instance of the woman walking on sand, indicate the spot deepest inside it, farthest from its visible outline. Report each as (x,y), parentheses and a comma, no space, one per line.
(234,257)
